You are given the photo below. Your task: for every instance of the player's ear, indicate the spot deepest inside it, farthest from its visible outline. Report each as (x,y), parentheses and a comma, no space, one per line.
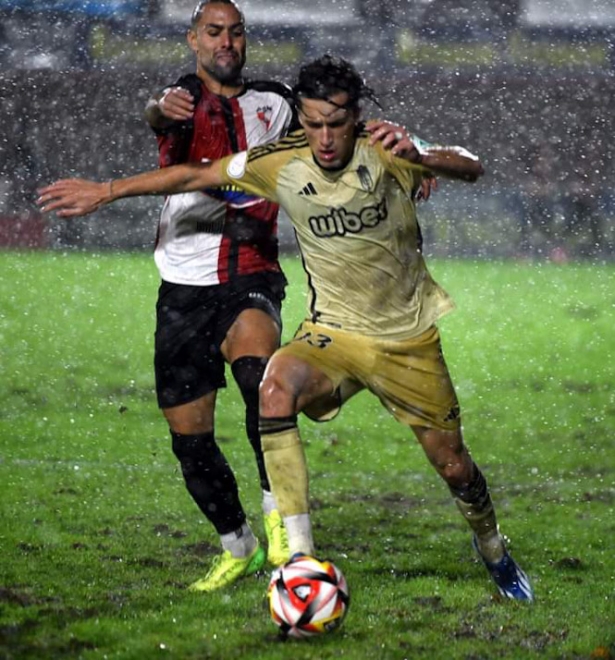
(191,38)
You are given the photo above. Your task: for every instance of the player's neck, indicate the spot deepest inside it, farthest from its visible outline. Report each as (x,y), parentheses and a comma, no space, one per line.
(227,89)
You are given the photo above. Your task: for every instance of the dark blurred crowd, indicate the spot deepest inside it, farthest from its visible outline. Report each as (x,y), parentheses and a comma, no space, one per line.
(563,215)
(545,135)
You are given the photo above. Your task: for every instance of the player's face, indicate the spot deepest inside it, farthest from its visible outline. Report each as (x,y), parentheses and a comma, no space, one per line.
(330,130)
(219,43)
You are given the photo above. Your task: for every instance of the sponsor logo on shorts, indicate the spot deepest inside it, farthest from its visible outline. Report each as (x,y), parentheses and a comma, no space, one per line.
(257,295)
(262,301)
(453,413)
(340,221)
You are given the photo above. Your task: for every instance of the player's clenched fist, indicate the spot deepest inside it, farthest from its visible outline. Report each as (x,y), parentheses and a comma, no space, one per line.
(177,103)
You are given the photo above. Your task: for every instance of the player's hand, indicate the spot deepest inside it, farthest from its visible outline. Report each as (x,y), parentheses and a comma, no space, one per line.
(70,198)
(428,184)
(177,104)
(395,138)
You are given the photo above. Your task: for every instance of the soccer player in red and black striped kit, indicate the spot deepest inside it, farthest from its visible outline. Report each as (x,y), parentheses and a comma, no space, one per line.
(222,287)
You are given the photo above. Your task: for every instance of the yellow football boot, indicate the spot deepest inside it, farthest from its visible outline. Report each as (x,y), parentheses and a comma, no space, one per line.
(278,552)
(226,569)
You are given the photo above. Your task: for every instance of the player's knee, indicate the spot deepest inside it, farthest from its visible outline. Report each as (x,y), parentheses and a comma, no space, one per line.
(276,397)
(448,454)
(457,470)
(454,474)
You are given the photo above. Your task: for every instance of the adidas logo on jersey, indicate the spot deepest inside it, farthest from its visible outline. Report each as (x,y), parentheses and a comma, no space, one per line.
(308,190)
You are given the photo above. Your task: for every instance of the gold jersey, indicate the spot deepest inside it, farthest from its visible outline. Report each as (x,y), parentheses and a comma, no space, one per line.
(356,231)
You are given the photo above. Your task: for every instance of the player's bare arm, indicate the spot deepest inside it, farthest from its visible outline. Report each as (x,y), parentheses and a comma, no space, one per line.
(171,105)
(452,162)
(391,135)
(449,161)
(76,197)
(395,138)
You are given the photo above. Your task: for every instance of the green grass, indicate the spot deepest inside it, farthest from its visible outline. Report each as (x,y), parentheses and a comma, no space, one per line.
(99,538)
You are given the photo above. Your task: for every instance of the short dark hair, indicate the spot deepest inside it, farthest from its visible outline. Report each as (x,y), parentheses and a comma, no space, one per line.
(329,75)
(198,10)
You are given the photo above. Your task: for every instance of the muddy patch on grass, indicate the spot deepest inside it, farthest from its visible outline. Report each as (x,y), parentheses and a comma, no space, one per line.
(16,597)
(165,530)
(200,549)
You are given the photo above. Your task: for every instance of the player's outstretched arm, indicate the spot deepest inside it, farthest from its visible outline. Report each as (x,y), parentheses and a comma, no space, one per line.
(453,162)
(75,197)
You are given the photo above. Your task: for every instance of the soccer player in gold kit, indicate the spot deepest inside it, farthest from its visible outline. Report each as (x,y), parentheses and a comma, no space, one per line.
(350,192)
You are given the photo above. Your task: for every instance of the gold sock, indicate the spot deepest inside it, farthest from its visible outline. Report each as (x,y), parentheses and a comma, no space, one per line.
(287,470)
(482,520)
(474,502)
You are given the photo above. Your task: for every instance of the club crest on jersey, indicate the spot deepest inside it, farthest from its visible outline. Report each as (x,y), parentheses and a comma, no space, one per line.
(365,178)
(264,114)
(340,221)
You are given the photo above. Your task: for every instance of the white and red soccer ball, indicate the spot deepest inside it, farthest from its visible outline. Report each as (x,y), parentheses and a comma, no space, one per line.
(307,597)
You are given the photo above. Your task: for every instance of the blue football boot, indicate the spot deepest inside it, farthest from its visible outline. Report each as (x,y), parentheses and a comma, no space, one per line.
(510,579)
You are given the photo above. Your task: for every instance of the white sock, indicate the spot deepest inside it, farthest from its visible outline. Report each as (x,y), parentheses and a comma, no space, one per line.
(269,503)
(240,543)
(299,530)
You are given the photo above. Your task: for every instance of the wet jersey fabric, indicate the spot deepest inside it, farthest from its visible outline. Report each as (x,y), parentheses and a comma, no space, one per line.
(357,232)
(211,237)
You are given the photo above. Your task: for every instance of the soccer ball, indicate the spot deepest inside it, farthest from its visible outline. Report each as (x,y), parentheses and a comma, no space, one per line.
(307,597)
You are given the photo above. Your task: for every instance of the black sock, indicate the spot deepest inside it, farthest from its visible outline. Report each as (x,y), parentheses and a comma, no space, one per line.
(248,372)
(210,480)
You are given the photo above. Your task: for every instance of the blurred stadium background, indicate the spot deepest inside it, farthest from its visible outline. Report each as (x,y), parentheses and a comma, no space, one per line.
(527,84)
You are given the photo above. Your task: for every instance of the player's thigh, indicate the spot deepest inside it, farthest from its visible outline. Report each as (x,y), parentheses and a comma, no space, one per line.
(327,406)
(187,364)
(193,417)
(412,381)
(254,332)
(334,362)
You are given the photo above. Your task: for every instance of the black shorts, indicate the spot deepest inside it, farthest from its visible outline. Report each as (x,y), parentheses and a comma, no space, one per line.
(191,324)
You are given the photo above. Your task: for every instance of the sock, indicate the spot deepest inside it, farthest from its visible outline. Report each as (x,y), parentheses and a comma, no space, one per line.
(288,476)
(491,547)
(474,503)
(209,480)
(299,529)
(240,543)
(269,503)
(248,372)
(286,464)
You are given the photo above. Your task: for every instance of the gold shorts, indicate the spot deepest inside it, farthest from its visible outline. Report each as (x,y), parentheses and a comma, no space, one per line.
(410,377)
